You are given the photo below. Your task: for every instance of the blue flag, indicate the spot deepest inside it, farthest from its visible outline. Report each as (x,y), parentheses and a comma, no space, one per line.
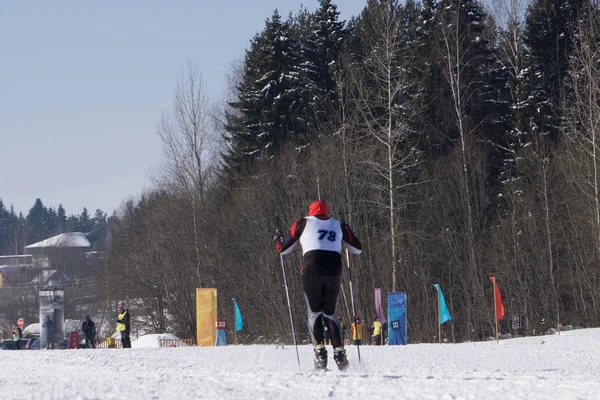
(444,313)
(238,317)
(221,340)
(397,327)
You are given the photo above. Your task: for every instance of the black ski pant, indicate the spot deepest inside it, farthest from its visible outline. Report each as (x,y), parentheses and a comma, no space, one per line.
(90,341)
(321,292)
(125,340)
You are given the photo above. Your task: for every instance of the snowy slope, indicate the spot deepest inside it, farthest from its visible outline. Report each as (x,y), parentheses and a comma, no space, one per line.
(548,367)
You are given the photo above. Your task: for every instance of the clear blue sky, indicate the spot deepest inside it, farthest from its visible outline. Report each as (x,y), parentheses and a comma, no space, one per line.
(83,83)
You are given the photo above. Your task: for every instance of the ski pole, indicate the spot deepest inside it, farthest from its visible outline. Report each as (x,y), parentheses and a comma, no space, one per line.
(352,298)
(287,293)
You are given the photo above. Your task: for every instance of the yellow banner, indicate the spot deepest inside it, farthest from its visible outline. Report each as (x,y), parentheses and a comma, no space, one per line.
(206,316)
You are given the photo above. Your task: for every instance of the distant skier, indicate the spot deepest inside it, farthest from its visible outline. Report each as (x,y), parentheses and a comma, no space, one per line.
(321,239)
(89,332)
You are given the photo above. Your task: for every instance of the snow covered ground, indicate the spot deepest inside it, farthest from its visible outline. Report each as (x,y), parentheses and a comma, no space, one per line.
(546,367)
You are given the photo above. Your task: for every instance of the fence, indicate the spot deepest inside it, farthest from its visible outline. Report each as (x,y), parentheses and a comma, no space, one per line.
(175,342)
(109,343)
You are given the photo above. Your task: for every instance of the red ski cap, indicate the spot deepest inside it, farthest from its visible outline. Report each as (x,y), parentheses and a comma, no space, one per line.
(318,207)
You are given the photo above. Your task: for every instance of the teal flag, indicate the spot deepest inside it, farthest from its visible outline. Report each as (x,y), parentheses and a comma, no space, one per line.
(238,317)
(444,313)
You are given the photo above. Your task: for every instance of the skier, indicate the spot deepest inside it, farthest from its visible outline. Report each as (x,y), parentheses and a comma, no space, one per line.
(321,238)
(89,331)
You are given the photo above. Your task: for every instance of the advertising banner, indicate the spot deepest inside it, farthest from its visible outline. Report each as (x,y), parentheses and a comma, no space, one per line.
(397,319)
(206,315)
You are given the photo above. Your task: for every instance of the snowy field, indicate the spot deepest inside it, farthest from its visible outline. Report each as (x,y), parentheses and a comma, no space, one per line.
(543,367)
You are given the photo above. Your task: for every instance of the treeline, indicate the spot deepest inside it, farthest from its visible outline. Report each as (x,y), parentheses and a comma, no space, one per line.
(18,231)
(458,142)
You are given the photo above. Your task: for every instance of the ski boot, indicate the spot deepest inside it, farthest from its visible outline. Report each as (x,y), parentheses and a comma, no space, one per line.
(339,355)
(320,357)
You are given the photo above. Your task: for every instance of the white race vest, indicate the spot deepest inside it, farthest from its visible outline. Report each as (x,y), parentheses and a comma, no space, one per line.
(321,235)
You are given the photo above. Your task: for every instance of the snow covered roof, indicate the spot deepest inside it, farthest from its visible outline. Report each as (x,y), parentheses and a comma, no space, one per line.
(15,262)
(13,268)
(72,239)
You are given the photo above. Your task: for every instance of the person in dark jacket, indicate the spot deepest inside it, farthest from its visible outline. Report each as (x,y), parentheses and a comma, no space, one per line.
(89,332)
(124,326)
(322,239)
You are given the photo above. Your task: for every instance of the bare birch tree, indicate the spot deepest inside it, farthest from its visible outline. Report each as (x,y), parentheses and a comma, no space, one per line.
(382,87)
(188,144)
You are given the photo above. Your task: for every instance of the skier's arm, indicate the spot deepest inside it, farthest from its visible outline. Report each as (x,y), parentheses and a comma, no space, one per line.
(288,244)
(350,241)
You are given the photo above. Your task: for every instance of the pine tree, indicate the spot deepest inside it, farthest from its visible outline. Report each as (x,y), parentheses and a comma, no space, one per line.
(99,233)
(548,37)
(84,223)
(61,220)
(37,223)
(4,229)
(320,51)
(485,102)
(265,114)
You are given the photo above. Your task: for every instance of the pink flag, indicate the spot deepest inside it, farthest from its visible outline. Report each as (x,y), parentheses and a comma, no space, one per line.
(380,313)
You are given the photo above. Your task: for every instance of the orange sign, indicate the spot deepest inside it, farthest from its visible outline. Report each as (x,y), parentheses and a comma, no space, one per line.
(206,314)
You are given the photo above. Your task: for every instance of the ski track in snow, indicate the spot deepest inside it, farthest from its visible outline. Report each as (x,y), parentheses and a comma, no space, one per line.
(543,367)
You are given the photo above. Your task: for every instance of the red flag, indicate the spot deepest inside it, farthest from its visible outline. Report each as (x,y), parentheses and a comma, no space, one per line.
(499,305)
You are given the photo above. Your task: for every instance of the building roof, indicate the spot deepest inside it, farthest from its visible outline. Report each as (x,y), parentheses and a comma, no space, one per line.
(47,276)
(72,239)
(13,268)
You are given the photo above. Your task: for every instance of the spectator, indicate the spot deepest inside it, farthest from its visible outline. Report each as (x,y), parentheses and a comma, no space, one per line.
(124,326)
(49,325)
(17,335)
(358,331)
(89,331)
(377,332)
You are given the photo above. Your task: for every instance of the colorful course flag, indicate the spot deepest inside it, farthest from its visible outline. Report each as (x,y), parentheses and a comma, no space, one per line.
(499,304)
(239,324)
(444,313)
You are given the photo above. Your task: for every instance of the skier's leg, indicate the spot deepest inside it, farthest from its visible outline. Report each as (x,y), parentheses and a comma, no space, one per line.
(313,293)
(330,294)
(313,289)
